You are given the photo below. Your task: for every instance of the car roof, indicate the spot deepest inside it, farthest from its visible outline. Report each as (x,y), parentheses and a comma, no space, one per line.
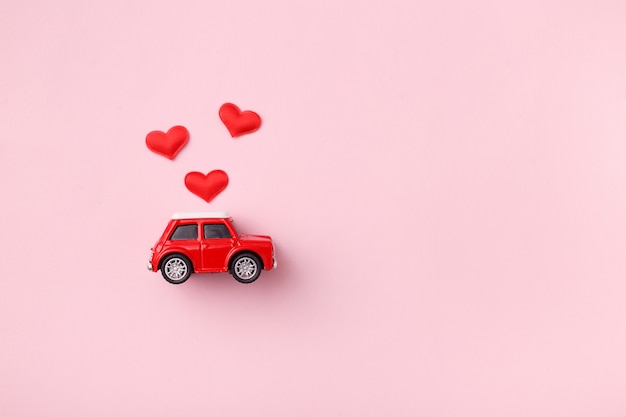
(201,215)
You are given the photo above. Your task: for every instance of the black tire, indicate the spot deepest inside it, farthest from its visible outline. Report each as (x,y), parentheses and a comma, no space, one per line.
(246,268)
(176,268)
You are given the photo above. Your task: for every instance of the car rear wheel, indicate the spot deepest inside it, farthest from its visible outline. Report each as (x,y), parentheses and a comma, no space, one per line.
(246,268)
(176,269)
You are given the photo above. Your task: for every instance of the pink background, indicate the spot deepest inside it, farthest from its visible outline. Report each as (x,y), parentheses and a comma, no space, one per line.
(445,182)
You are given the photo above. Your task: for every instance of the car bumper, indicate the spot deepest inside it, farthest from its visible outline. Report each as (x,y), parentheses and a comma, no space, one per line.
(149,265)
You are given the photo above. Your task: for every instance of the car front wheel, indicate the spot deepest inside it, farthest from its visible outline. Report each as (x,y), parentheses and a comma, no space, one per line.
(246,268)
(176,269)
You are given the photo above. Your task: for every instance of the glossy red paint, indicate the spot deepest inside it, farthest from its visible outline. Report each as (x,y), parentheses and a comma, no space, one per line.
(210,242)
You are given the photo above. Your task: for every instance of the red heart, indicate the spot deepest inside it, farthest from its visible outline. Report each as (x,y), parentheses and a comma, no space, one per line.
(206,186)
(239,122)
(168,144)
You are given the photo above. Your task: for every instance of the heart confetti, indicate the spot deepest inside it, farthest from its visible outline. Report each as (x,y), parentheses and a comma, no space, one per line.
(206,186)
(239,122)
(168,144)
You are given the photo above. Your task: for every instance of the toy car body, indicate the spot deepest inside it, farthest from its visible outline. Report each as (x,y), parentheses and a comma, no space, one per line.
(208,242)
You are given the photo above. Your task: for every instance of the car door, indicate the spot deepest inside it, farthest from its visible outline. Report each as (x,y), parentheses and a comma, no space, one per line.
(215,245)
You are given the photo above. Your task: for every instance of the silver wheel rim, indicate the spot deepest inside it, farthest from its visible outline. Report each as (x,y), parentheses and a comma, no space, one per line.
(175,269)
(245,268)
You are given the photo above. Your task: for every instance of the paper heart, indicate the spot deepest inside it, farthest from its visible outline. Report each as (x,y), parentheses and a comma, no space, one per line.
(239,122)
(206,186)
(168,144)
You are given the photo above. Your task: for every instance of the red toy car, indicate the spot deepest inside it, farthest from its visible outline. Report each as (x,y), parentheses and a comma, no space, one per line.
(181,250)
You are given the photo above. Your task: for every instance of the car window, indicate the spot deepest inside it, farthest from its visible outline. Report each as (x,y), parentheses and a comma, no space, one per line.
(216,231)
(185,232)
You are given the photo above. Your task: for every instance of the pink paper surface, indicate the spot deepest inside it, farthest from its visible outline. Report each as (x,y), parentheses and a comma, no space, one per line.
(445,183)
